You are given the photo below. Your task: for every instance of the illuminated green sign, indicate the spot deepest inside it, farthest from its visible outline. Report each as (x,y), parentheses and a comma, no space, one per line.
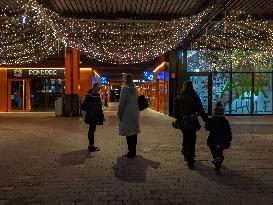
(245,86)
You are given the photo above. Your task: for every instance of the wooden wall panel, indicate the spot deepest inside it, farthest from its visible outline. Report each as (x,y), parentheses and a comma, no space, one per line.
(85,81)
(76,70)
(68,73)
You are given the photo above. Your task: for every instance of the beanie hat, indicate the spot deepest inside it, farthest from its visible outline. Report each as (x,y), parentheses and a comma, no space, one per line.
(219,109)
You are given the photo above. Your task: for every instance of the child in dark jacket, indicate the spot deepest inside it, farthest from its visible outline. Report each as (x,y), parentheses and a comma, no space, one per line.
(220,135)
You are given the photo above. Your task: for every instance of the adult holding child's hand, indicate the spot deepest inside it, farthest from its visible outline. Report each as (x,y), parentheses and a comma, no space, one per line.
(188,104)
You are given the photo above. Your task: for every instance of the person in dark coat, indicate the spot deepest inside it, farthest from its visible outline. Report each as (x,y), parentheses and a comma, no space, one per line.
(220,135)
(188,104)
(93,114)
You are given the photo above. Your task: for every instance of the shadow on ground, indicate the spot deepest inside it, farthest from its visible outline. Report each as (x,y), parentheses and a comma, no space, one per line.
(74,158)
(133,170)
(237,181)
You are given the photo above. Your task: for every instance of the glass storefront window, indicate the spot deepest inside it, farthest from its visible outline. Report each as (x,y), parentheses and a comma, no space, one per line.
(44,93)
(220,92)
(241,93)
(262,93)
(196,61)
(18,95)
(208,61)
(251,61)
(219,61)
(200,85)
(247,97)
(225,61)
(242,80)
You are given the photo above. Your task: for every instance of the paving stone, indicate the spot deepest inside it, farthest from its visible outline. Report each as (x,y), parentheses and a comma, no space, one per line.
(3,202)
(44,160)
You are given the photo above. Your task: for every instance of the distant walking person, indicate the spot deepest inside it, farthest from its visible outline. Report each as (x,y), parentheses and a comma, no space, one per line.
(128,114)
(188,104)
(220,135)
(93,114)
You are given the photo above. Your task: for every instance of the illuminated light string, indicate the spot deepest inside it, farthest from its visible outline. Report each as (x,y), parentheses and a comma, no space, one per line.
(96,74)
(120,43)
(225,60)
(242,45)
(20,45)
(113,42)
(159,67)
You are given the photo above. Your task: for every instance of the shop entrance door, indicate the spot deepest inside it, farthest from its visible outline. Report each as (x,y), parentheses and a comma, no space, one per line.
(18,95)
(202,85)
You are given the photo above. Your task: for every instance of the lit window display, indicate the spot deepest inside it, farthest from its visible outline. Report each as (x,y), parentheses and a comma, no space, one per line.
(206,61)
(161,76)
(262,93)
(219,81)
(242,80)
(241,93)
(200,85)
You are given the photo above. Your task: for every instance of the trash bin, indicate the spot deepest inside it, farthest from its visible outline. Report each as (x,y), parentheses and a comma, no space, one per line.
(59,106)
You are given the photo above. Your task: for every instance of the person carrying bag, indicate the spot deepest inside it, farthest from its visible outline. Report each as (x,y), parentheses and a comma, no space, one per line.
(128,114)
(188,104)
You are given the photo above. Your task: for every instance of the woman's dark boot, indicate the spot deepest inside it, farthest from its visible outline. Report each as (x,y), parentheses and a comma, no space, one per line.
(132,152)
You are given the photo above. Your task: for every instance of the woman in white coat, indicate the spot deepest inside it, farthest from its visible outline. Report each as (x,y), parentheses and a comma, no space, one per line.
(128,114)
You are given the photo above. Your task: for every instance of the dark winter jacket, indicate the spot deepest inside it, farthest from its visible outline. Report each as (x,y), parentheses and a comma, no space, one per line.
(220,132)
(188,103)
(93,108)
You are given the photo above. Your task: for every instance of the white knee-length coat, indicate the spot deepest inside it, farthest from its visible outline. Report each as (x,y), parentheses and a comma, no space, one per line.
(128,112)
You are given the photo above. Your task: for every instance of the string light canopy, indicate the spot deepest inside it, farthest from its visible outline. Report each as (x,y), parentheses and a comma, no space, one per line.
(128,42)
(238,42)
(39,33)
(237,31)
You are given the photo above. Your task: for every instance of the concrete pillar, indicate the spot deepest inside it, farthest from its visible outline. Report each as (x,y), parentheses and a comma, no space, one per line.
(86,75)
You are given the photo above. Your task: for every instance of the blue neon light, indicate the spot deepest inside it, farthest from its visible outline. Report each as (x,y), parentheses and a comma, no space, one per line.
(104,79)
(148,75)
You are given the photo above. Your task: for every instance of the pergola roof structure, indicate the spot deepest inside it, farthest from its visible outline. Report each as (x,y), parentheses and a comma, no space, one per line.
(142,9)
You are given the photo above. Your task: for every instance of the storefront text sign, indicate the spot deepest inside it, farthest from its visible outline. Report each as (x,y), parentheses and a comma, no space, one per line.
(28,73)
(243,95)
(245,87)
(42,72)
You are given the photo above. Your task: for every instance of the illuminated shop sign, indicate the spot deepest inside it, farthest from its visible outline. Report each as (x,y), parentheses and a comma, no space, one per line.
(139,81)
(104,79)
(161,76)
(148,75)
(94,80)
(52,73)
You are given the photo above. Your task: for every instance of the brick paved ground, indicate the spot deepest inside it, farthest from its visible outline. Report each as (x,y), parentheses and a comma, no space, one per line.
(43,160)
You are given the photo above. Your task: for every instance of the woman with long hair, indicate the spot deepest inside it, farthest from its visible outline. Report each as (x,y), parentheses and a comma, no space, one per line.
(188,104)
(128,114)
